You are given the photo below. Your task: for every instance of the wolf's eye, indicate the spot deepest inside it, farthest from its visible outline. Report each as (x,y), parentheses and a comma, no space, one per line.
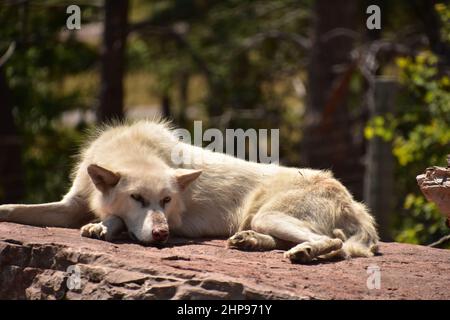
(139,198)
(165,201)
(136,197)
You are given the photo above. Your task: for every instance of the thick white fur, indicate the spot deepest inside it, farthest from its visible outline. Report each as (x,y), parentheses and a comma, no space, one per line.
(263,206)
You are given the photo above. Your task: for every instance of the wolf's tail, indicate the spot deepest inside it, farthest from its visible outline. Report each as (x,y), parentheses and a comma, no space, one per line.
(363,242)
(363,239)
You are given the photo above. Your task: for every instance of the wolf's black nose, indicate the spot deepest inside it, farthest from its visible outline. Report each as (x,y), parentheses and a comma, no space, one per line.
(160,234)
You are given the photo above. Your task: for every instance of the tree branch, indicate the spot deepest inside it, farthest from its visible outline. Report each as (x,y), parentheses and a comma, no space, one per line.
(9,52)
(440,241)
(257,39)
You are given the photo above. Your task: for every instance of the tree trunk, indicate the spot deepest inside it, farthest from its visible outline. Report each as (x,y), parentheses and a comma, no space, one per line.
(165,106)
(380,163)
(183,97)
(329,141)
(11,173)
(113,60)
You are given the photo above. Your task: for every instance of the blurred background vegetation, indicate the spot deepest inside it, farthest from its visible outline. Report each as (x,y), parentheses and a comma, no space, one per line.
(310,68)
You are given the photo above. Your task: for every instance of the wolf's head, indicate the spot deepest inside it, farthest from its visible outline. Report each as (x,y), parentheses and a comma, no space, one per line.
(147,196)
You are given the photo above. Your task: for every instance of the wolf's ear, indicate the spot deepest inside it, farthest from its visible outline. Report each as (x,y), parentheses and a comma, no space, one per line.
(186,176)
(102,178)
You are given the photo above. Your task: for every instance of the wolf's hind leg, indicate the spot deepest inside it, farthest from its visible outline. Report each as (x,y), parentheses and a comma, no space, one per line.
(107,229)
(310,244)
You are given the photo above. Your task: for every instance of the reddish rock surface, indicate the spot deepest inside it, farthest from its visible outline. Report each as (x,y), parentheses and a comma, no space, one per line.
(34,262)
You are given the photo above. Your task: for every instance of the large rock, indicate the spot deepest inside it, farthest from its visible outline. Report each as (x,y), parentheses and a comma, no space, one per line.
(40,263)
(435,186)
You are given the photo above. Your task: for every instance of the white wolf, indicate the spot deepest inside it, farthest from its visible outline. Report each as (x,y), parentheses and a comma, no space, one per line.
(125,176)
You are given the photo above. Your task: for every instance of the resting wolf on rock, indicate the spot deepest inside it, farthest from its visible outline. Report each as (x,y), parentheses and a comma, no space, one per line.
(126,177)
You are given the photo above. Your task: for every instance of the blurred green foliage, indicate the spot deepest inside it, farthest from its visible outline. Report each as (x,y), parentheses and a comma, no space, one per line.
(228,44)
(35,74)
(420,136)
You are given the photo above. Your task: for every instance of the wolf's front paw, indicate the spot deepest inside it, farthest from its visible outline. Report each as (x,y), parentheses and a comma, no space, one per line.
(302,253)
(95,230)
(243,240)
(5,212)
